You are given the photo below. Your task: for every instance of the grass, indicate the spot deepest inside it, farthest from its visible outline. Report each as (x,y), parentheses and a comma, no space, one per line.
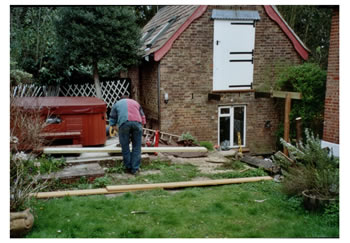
(251,210)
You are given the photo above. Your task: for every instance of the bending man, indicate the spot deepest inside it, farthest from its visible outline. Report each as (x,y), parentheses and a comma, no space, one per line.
(129,116)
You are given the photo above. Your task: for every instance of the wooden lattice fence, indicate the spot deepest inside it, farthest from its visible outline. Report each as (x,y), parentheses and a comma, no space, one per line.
(32,90)
(111,90)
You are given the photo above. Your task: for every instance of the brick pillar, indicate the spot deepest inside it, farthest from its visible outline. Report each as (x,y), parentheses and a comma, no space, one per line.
(133,74)
(331,113)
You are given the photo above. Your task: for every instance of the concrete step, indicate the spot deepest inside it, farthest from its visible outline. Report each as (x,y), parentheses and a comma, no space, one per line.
(75,172)
(101,159)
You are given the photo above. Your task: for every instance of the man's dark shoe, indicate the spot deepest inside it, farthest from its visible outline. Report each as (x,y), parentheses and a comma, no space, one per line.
(128,171)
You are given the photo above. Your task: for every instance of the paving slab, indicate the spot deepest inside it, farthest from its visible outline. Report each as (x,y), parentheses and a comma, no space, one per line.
(76,171)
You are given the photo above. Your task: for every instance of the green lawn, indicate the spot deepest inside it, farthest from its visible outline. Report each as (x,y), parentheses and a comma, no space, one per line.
(247,210)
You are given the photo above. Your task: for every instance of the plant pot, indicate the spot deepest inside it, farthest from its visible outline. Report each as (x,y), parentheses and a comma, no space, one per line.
(21,223)
(314,202)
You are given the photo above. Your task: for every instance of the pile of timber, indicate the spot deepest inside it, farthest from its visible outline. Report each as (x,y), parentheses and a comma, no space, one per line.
(142,187)
(265,164)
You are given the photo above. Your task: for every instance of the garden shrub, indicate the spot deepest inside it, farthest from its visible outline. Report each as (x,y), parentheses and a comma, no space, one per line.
(313,168)
(207,145)
(310,80)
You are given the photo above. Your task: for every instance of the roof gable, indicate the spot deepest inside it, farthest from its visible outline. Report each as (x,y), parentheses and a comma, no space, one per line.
(299,46)
(166,26)
(163,26)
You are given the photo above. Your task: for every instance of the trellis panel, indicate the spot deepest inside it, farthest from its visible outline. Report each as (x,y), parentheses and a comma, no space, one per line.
(111,90)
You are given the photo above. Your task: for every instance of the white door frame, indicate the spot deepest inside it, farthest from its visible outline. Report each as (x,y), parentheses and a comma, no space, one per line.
(232,118)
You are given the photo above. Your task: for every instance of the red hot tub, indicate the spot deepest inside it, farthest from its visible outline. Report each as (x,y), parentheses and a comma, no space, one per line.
(71,120)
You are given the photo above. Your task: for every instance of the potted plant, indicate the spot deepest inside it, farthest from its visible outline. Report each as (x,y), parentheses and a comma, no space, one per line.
(310,171)
(187,140)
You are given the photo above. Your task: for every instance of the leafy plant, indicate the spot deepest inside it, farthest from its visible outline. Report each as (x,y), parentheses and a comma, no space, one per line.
(310,80)
(310,168)
(46,164)
(24,181)
(331,213)
(18,76)
(207,144)
(187,139)
(102,182)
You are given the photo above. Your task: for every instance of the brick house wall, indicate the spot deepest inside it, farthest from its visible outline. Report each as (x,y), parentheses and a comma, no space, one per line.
(331,114)
(186,74)
(149,92)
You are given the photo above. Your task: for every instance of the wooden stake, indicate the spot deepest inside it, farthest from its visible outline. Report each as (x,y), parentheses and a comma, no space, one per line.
(119,150)
(286,120)
(299,130)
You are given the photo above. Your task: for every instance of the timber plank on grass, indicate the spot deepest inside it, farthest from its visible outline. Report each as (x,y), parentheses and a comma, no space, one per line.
(119,150)
(142,187)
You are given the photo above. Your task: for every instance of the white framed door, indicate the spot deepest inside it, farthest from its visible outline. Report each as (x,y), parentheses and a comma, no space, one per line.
(233,57)
(232,126)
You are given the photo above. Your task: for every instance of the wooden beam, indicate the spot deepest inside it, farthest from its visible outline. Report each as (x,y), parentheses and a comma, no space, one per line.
(172,185)
(282,94)
(119,150)
(142,187)
(286,120)
(70,193)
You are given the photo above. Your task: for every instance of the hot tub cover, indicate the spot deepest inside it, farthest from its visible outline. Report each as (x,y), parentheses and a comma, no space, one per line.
(62,105)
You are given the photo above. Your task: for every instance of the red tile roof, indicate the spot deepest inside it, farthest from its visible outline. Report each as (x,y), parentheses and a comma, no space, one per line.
(185,15)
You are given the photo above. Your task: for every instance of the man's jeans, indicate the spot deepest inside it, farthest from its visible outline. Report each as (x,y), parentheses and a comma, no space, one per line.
(131,130)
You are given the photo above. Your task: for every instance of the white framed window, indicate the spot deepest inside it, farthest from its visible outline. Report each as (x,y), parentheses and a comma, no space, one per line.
(232,126)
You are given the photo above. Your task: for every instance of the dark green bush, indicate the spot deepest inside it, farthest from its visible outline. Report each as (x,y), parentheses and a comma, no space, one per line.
(310,80)
(207,144)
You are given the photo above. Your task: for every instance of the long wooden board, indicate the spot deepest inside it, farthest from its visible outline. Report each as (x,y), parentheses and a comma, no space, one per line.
(282,94)
(70,193)
(142,187)
(119,150)
(171,185)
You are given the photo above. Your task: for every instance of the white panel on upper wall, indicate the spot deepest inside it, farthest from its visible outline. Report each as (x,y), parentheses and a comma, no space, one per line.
(233,55)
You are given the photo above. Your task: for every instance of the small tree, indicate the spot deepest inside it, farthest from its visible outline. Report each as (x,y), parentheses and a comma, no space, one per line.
(310,80)
(98,35)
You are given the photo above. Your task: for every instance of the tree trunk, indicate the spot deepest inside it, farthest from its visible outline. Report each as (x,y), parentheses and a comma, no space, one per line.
(97,82)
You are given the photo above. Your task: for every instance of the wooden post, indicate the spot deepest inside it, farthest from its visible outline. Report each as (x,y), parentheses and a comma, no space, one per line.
(299,131)
(286,120)
(288,96)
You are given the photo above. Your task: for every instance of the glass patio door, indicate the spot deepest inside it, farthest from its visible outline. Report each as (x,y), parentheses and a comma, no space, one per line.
(231,130)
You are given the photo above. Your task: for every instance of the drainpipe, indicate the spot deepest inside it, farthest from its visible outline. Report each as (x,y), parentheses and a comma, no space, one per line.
(158,88)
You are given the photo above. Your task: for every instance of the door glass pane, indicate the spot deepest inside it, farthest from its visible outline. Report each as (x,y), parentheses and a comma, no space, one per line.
(238,125)
(225,131)
(224,111)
